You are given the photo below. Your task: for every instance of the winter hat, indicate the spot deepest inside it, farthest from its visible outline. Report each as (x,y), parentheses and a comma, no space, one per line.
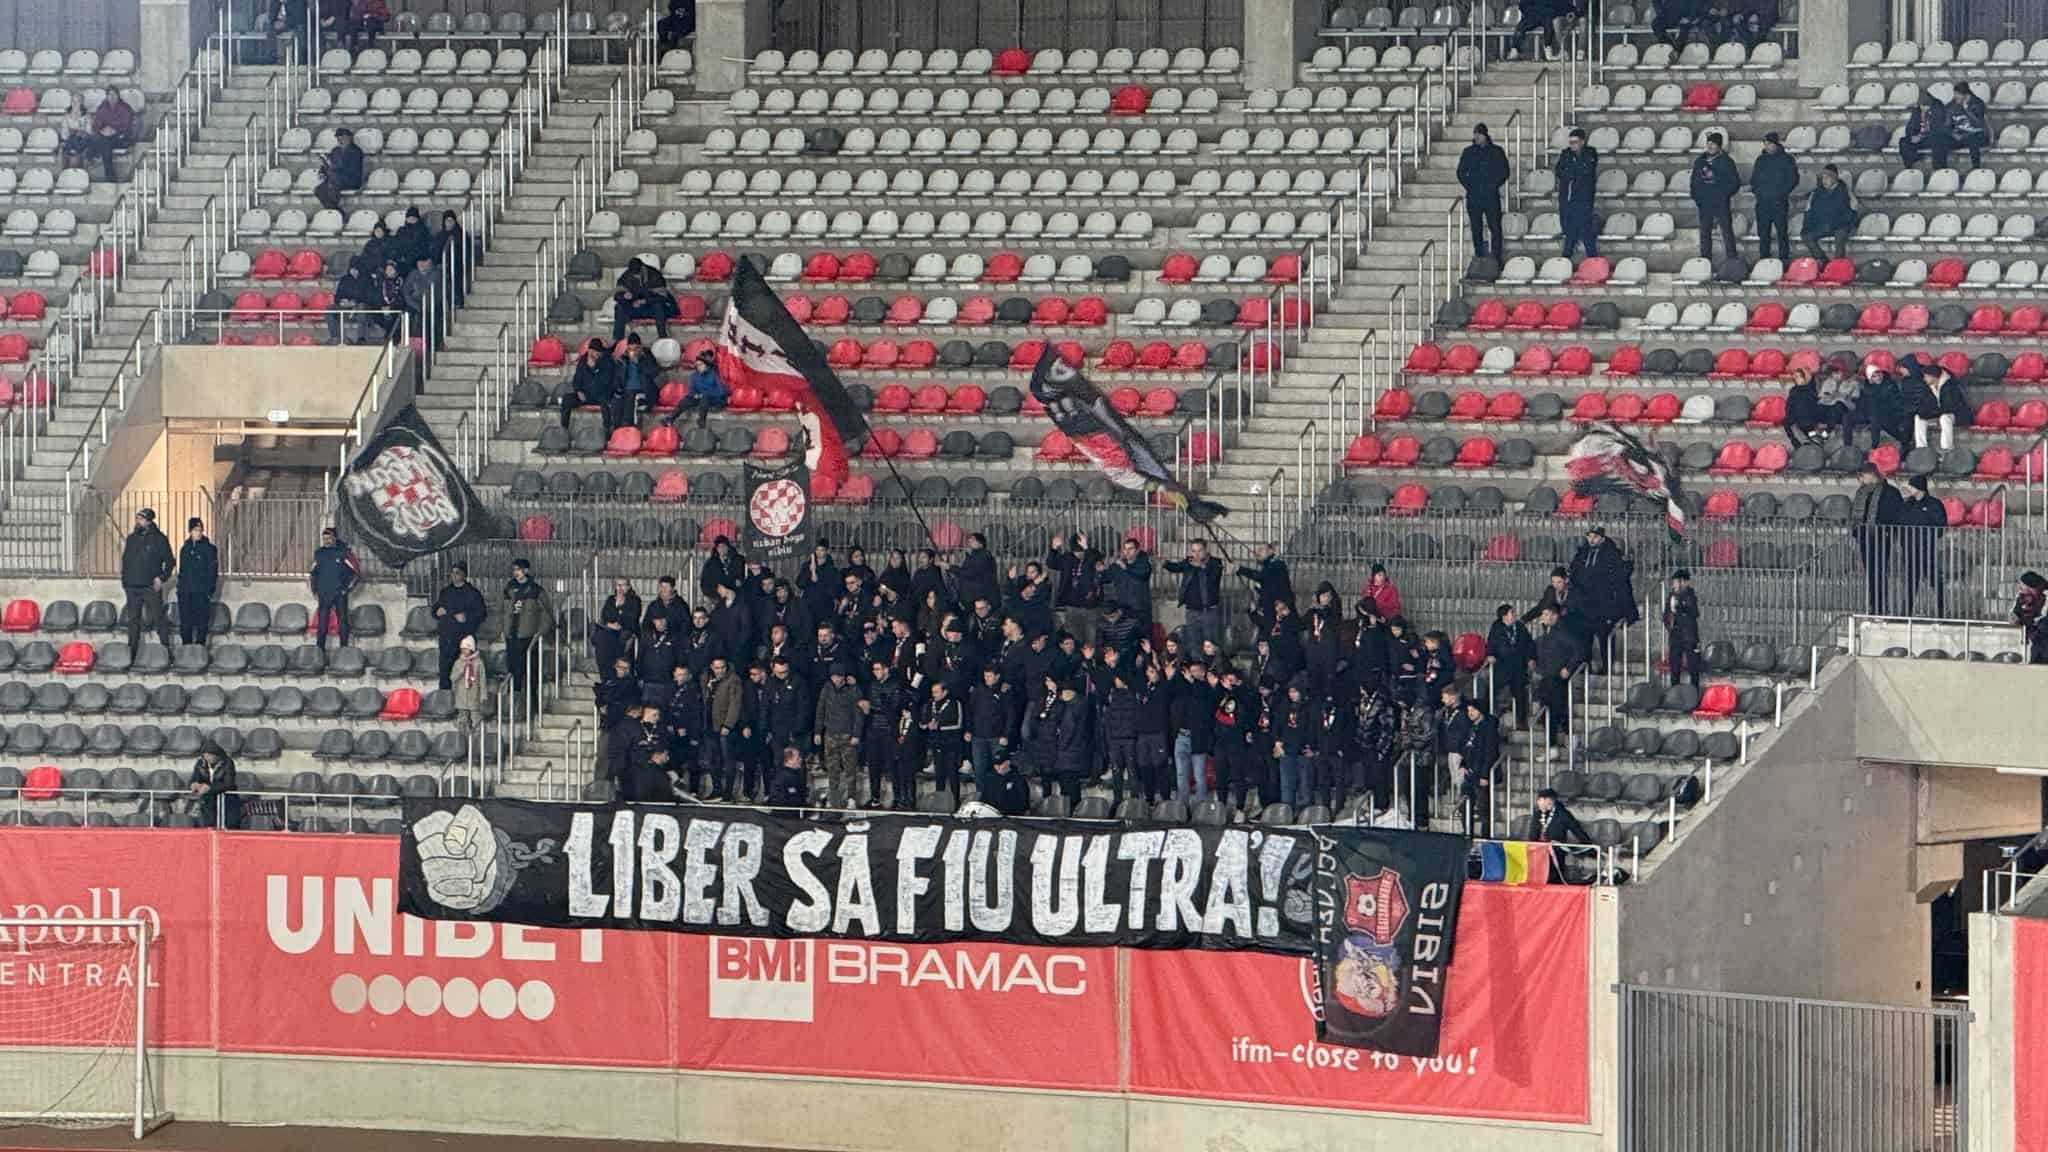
(1918,484)
(1681,574)
(148,514)
(194,522)
(1481,129)
(1771,138)
(2034,580)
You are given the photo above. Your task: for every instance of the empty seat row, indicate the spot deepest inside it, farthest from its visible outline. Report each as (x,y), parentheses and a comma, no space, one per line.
(1330,100)
(403,141)
(60,617)
(1944,54)
(960,142)
(81,62)
(1662,57)
(1703,97)
(43,182)
(885,224)
(81,657)
(421,101)
(1009,62)
(1131,100)
(1019,183)
(272,264)
(329,223)
(438,62)
(325,702)
(57,223)
(1331,61)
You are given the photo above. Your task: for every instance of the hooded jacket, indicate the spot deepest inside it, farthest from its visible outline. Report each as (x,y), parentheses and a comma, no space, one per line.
(145,557)
(1483,171)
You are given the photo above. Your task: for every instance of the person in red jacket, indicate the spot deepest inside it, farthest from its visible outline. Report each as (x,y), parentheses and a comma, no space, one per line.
(366,20)
(113,127)
(1379,588)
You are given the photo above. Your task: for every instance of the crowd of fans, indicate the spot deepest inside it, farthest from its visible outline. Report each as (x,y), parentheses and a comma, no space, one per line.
(979,678)
(395,272)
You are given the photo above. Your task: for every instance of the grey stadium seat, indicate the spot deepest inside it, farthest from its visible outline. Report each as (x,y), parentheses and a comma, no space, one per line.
(100,616)
(60,616)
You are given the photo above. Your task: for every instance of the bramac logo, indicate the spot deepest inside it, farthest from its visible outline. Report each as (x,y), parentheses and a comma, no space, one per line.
(777,979)
(351,917)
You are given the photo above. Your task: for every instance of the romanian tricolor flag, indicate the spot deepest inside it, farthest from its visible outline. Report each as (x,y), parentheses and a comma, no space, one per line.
(1514,862)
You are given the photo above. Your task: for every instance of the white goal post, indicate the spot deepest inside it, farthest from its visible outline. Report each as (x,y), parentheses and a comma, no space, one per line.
(75,1005)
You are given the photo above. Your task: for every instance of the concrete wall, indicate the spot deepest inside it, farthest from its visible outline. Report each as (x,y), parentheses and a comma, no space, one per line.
(1936,711)
(1797,881)
(1991,1028)
(313,384)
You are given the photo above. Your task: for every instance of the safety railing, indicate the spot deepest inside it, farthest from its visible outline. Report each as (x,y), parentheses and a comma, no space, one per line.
(2000,888)
(267,536)
(2033,504)
(1921,636)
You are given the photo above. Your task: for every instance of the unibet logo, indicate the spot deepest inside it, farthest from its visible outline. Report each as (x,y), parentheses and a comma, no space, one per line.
(460,997)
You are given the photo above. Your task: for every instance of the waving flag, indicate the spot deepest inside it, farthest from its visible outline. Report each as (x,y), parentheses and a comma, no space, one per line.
(760,345)
(1105,438)
(1606,459)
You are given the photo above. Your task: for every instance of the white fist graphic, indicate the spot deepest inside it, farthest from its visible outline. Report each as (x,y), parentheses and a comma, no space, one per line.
(459,858)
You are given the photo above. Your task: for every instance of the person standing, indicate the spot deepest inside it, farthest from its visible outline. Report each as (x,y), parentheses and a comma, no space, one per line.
(1874,512)
(945,725)
(1682,628)
(459,611)
(1483,171)
(1512,650)
(618,626)
(213,788)
(1714,183)
(992,717)
(528,616)
(1559,652)
(198,580)
(838,732)
(466,680)
(1830,212)
(1073,743)
(333,576)
(1191,718)
(1925,523)
(1201,596)
(1604,577)
(1129,579)
(1773,179)
(1577,171)
(1296,735)
(146,562)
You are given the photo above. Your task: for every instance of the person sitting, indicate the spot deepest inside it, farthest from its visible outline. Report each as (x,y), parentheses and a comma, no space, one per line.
(113,127)
(1830,212)
(639,383)
(341,170)
(1926,133)
(365,23)
(1748,21)
(594,383)
(412,240)
(76,132)
(1675,20)
(642,294)
(1937,401)
(390,300)
(1968,126)
(418,287)
(679,25)
(707,392)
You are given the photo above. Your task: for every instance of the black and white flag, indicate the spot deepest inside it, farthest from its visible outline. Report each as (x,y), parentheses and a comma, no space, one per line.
(405,497)
(1606,459)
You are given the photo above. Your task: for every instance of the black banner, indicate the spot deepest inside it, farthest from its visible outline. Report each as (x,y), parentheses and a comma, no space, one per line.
(404,497)
(1386,915)
(925,879)
(778,510)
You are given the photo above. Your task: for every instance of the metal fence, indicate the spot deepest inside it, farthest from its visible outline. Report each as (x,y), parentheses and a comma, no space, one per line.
(1719,1072)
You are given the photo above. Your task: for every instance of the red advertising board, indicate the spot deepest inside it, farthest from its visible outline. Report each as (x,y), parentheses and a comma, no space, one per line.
(1240,1026)
(324,964)
(2030,1034)
(54,991)
(966,1013)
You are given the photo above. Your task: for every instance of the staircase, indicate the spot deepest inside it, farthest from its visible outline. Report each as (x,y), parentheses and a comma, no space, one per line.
(87,394)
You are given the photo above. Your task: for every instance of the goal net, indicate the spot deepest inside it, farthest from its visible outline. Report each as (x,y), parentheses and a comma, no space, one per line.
(76,1013)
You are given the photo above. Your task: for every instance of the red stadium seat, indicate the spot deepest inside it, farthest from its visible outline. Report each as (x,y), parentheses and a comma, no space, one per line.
(929,400)
(1526,316)
(1588,408)
(1576,360)
(624,441)
(2031,416)
(21,615)
(7,397)
(1505,408)
(1955,364)
(2026,368)
(905,310)
(1490,316)
(1562,317)
(1592,272)
(661,440)
(917,356)
(1958,512)
(1733,458)
(1051,312)
(858,489)
(1987,513)
(1947,273)
(1179,268)
(1285,269)
(1717,702)
(1768,316)
(881,355)
(1394,404)
(1505,548)
(1994,465)
(1401,452)
(1478,452)
(1468,407)
(1252,313)
(1120,356)
(43,782)
(1839,272)
(1911,320)
(250,305)
(1003,268)
(692,308)
(1012,62)
(1025,355)
(1885,458)
(976,311)
(1573,506)
(1460,360)
(1876,319)
(1295,312)
(745,399)
(307,264)
(1625,408)
(1362,452)
(1769,364)
(1991,416)
(1702,98)
(1879,358)
(1055,447)
(1130,100)
(27,306)
(1800,273)
(1468,651)
(2024,320)
(920,444)
(1722,504)
(1722,553)
(1731,364)
(1424,358)
(1626,361)
(1663,408)
(800,307)
(1160,402)
(884,443)
(1126,401)
(269,264)
(1089,312)
(1770,459)
(1767,412)
(845,354)
(1193,356)
(546,353)
(891,399)
(536,529)
(857,268)
(714,267)
(671,487)
(401,704)
(821,268)
(1534,361)
(824,489)
(1804,360)
(831,311)
(75,658)
(19,102)
(771,443)
(1987,320)
(948,536)
(1409,500)
(707,537)
(1200,449)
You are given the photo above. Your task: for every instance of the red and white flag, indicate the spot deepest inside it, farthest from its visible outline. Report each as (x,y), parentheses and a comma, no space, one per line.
(761,346)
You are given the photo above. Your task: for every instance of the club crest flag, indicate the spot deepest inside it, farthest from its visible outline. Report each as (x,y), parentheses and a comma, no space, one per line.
(1109,442)
(404,497)
(778,510)
(761,346)
(1384,953)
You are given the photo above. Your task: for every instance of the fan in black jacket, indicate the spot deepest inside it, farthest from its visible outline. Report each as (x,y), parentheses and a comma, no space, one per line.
(1773,179)
(594,382)
(198,571)
(1682,628)
(1714,183)
(1511,650)
(1483,171)
(618,625)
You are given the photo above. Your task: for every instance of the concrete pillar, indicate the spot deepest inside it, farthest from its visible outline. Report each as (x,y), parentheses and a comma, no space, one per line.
(1278,36)
(1829,31)
(729,34)
(168,27)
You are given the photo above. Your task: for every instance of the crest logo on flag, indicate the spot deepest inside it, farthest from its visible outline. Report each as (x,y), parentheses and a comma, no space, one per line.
(404,497)
(1375,905)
